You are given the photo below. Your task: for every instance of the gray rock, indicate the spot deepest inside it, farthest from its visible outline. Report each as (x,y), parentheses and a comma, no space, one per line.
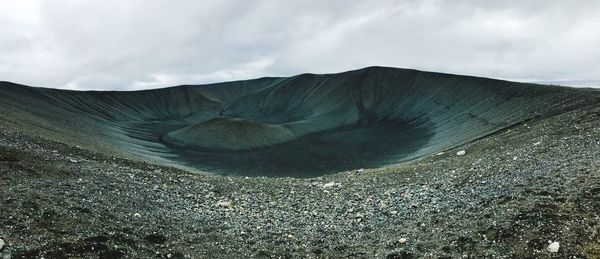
(225,204)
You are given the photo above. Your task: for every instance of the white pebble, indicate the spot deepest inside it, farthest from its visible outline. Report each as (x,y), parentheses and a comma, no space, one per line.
(329,184)
(402,240)
(461,153)
(553,247)
(137,215)
(1,244)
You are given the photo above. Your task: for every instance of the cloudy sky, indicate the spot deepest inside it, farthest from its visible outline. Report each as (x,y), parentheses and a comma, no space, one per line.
(136,44)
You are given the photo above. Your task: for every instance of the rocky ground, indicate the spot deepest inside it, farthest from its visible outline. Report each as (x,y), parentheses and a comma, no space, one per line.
(509,195)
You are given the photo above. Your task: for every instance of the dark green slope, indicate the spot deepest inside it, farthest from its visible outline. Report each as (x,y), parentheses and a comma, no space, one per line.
(304,125)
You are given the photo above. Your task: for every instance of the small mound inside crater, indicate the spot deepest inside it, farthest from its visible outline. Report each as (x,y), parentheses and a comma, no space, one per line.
(229,134)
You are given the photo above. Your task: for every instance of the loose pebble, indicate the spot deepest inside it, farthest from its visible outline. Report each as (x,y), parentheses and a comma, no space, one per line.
(461,153)
(224,204)
(329,184)
(402,240)
(553,247)
(2,244)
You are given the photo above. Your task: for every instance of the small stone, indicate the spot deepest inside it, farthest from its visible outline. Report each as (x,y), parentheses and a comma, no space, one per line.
(2,244)
(73,160)
(394,212)
(360,170)
(169,255)
(329,184)
(461,153)
(137,215)
(402,240)
(225,204)
(553,247)
(6,255)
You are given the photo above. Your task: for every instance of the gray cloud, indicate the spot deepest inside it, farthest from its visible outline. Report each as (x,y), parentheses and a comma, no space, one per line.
(137,44)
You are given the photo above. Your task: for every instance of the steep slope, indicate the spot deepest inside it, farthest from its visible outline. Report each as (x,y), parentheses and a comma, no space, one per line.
(304,125)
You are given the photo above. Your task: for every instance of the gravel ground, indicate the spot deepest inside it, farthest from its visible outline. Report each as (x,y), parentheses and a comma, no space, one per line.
(510,195)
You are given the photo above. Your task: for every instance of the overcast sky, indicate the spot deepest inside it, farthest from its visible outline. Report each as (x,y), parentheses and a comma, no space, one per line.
(135,44)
